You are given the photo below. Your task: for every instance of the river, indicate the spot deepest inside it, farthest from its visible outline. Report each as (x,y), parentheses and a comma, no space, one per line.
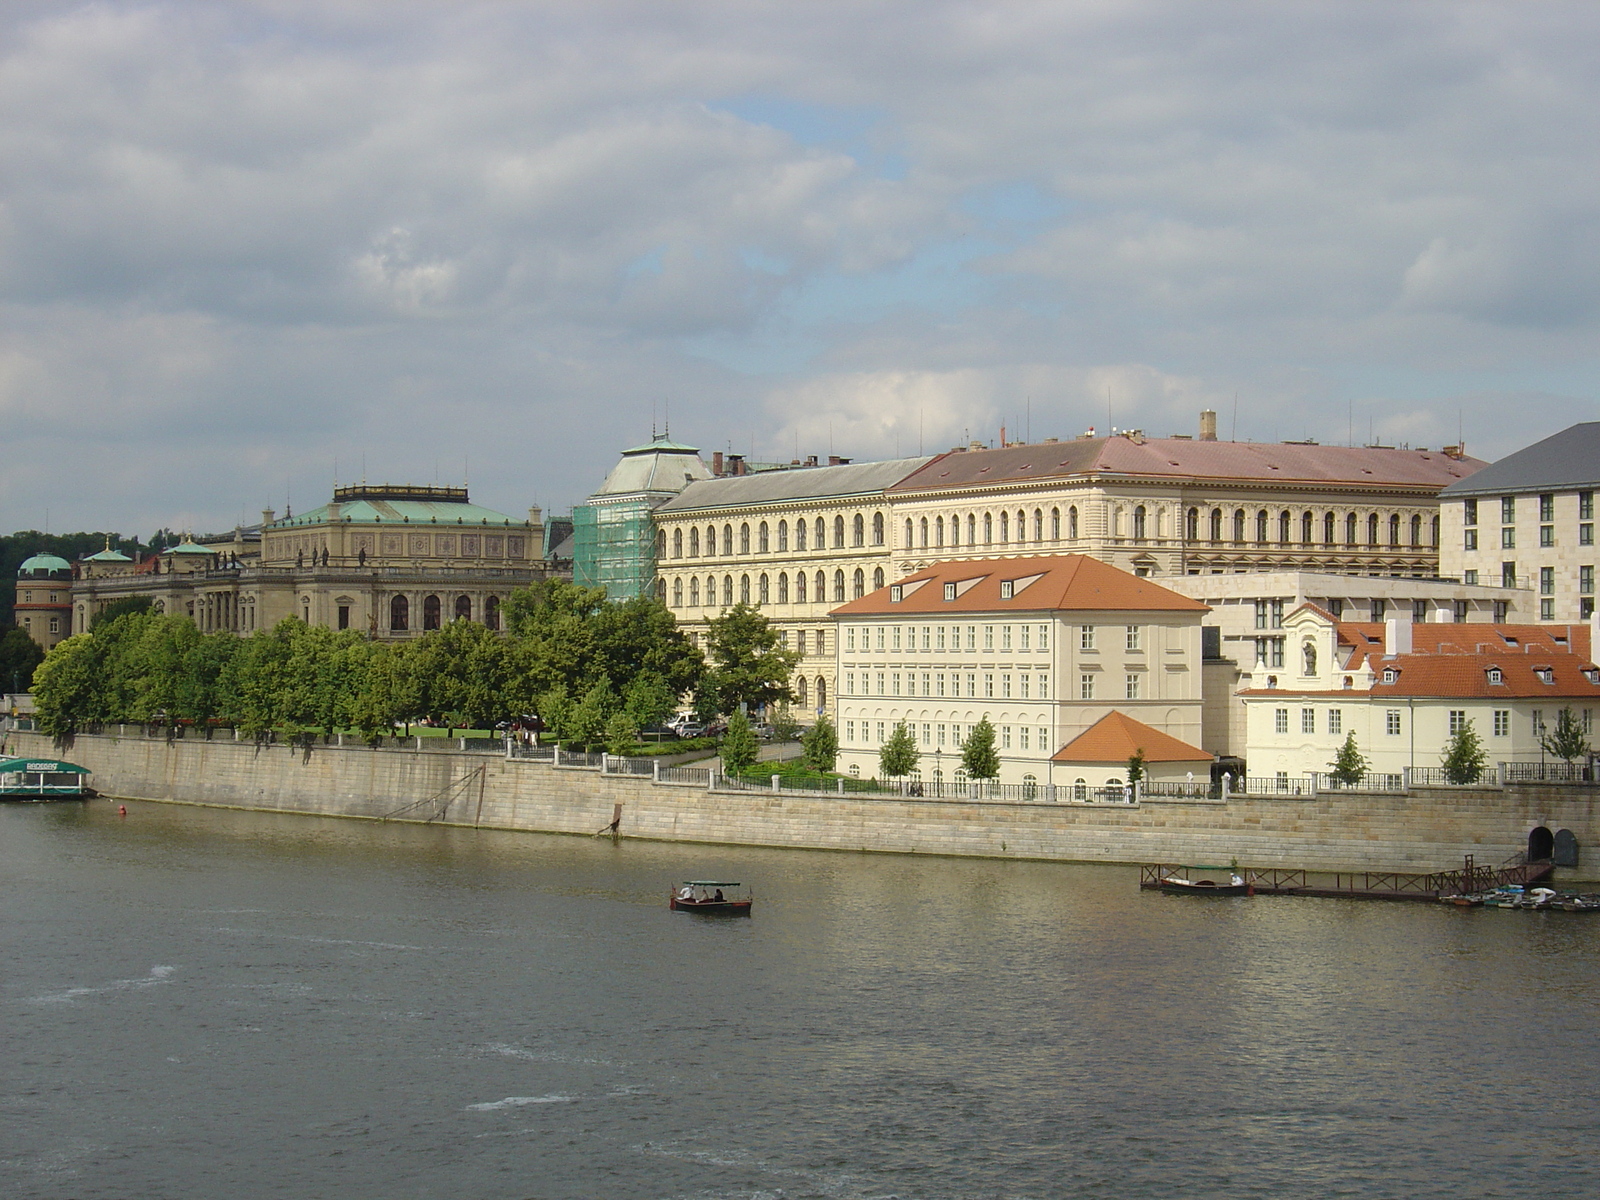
(212,1004)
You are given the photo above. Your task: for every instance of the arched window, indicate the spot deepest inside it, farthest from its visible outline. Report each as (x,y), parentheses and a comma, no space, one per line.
(877,529)
(938,531)
(399,614)
(838,587)
(1005,528)
(988,529)
(1261,525)
(1308,525)
(1055,524)
(822,692)
(1191,525)
(972,529)
(711,541)
(860,584)
(1416,531)
(858,530)
(783,536)
(677,543)
(1038,525)
(744,538)
(1285,527)
(838,533)
(1072,523)
(694,543)
(762,543)
(799,587)
(1216,524)
(727,591)
(783,587)
(430,612)
(1238,524)
(744,589)
(491,610)
(922,525)
(694,593)
(800,690)
(1139,523)
(822,534)
(1394,529)
(1372,529)
(762,596)
(877,579)
(727,540)
(1329,524)
(1351,527)
(911,537)
(711,590)
(660,590)
(800,535)
(1434,534)
(821,582)
(463,608)
(661,543)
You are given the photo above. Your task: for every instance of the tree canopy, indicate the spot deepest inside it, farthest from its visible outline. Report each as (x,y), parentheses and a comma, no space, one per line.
(748,665)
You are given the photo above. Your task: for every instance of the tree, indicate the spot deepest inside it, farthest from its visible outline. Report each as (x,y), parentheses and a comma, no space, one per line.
(20,655)
(979,758)
(66,687)
(587,720)
(820,745)
(119,608)
(1348,766)
(748,666)
(899,755)
(1136,767)
(739,746)
(622,735)
(1464,755)
(784,727)
(1568,740)
(649,700)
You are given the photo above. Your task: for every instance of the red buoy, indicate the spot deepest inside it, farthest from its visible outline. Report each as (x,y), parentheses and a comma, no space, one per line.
(122,810)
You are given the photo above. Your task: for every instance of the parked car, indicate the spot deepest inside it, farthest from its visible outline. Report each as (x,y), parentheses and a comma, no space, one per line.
(689,729)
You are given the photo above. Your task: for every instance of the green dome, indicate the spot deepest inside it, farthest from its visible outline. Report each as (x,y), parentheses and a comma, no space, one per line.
(43,564)
(108,555)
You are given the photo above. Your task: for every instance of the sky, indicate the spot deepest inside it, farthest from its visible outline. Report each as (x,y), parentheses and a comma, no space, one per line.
(248,250)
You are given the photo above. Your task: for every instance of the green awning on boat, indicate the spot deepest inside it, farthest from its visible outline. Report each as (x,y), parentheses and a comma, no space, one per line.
(34,766)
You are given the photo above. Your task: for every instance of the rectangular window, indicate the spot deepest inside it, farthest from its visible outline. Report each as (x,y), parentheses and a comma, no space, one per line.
(880,637)
(1005,687)
(896,633)
(1470,512)
(939,735)
(1336,609)
(1005,737)
(1024,631)
(939,683)
(1585,607)
(927,684)
(1538,723)
(1585,535)
(1586,580)
(927,734)
(1508,574)
(1277,614)
(344,619)
(1336,720)
(926,635)
(850,684)
(880,733)
(1508,509)
(1547,535)
(1458,720)
(972,637)
(1502,722)
(988,685)
(1585,506)
(972,685)
(1261,614)
(1086,637)
(1376,607)
(1547,581)
(1132,685)
(1044,687)
(1391,722)
(939,638)
(1022,684)
(988,637)
(1547,508)
(896,681)
(1508,538)
(1472,539)
(881,692)
(850,638)
(1280,720)
(1277,651)
(1470,578)
(849,732)
(1502,609)
(1131,641)
(1044,637)
(1547,610)
(1022,737)
(1308,720)
(1086,687)
(1005,638)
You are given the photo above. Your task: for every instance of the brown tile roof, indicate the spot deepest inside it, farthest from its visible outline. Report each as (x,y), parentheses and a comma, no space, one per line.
(1353,467)
(1071,582)
(1115,737)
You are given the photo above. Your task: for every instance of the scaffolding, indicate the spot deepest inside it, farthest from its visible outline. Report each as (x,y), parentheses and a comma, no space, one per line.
(614,547)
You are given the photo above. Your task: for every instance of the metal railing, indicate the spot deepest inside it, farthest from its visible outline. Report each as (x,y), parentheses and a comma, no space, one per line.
(617,764)
(1371,781)
(1558,771)
(695,776)
(1276,785)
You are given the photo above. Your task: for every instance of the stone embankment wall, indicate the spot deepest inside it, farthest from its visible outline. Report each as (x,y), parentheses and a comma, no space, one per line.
(1424,831)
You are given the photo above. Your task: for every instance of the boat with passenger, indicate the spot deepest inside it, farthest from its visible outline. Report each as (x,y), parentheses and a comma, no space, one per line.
(1202,881)
(43,779)
(712,896)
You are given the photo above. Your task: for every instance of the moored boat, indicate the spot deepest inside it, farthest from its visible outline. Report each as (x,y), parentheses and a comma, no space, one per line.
(43,779)
(712,897)
(1192,882)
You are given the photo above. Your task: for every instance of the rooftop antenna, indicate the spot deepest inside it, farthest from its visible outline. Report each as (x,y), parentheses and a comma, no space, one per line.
(363,468)
(666,424)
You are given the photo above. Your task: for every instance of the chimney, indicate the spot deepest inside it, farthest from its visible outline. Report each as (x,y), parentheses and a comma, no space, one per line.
(1396,637)
(1208,424)
(735,464)
(811,460)
(268,516)
(834,460)
(1002,437)
(716,463)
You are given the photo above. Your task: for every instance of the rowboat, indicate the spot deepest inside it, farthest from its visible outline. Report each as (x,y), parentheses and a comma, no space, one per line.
(713,897)
(1234,885)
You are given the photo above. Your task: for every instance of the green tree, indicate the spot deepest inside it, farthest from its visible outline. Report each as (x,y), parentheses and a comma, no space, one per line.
(784,727)
(979,758)
(820,745)
(586,723)
(748,666)
(899,755)
(1464,755)
(739,746)
(20,655)
(622,734)
(1348,766)
(555,710)
(649,700)
(1567,740)
(67,686)
(120,608)
(1136,767)
(640,637)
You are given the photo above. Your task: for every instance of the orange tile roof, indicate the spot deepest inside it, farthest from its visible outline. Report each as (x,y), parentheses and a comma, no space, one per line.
(1348,467)
(1071,582)
(1116,736)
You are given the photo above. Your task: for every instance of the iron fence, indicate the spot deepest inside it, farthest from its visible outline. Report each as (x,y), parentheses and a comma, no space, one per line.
(1547,772)
(695,776)
(1371,781)
(1439,777)
(617,764)
(1276,785)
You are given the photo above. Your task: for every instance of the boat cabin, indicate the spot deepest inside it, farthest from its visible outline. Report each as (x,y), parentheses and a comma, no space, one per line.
(42,779)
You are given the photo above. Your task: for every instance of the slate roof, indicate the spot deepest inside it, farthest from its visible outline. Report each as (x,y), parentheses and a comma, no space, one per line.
(658,466)
(1070,582)
(1354,467)
(1116,736)
(800,483)
(1567,459)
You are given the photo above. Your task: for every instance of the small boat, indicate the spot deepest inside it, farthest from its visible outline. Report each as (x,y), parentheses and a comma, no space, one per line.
(43,779)
(1234,885)
(712,897)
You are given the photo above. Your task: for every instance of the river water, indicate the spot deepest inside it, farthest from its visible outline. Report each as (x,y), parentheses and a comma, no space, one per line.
(215,1004)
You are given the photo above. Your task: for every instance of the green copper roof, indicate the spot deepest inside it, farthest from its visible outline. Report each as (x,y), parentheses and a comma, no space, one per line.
(413,512)
(44,562)
(188,548)
(108,555)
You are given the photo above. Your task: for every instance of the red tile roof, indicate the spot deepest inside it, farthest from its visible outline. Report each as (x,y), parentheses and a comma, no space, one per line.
(1352,467)
(1116,736)
(1070,582)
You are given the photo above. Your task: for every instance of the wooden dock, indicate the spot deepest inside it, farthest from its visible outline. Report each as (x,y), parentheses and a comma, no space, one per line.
(1470,877)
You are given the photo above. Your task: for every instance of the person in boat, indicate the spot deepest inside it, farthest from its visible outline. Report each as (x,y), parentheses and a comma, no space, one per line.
(718,897)
(1236,880)
(686,892)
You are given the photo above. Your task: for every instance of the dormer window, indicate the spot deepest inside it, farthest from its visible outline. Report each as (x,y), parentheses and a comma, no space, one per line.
(949,591)
(896,593)
(1005,589)
(1545,674)
(1495,675)
(1592,674)
(1390,675)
